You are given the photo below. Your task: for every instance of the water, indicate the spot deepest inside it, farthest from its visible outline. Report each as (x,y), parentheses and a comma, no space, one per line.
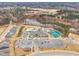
(55,33)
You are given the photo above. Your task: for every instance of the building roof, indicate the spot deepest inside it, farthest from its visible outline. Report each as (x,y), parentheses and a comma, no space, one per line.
(54,43)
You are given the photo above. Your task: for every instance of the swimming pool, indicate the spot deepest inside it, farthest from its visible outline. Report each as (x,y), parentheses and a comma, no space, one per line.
(55,33)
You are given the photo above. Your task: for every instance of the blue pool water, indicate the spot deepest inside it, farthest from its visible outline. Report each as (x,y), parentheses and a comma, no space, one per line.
(55,33)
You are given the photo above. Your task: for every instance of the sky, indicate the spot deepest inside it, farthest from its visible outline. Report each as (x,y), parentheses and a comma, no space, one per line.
(39,0)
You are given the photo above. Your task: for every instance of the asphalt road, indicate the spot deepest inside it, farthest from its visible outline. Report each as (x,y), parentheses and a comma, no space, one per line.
(57,53)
